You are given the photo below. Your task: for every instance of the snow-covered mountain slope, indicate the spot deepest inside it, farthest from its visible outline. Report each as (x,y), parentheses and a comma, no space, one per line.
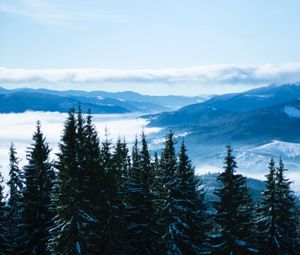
(278,149)
(253,160)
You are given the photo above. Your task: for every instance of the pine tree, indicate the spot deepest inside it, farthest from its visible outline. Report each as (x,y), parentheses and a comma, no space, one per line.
(287,215)
(184,211)
(15,185)
(36,213)
(165,169)
(135,205)
(168,210)
(191,202)
(116,165)
(140,212)
(4,241)
(151,230)
(67,235)
(95,191)
(235,224)
(277,222)
(268,231)
(121,166)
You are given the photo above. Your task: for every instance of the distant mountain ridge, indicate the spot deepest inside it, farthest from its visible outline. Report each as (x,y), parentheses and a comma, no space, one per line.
(259,124)
(20,100)
(256,98)
(255,116)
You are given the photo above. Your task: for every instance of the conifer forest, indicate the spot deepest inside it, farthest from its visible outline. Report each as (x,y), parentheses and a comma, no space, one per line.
(100,197)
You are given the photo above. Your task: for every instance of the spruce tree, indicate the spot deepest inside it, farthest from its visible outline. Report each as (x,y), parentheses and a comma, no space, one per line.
(67,235)
(191,202)
(118,196)
(95,191)
(277,221)
(36,213)
(4,241)
(267,214)
(140,212)
(147,184)
(287,215)
(234,232)
(135,206)
(167,194)
(15,185)
(164,169)
(116,165)
(184,212)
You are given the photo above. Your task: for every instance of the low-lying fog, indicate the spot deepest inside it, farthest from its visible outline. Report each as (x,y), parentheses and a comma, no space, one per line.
(19,127)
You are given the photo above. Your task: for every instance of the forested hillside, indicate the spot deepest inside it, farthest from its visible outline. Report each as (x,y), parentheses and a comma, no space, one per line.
(100,197)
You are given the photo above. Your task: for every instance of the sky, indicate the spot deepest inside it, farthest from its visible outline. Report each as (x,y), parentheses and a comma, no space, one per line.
(150,46)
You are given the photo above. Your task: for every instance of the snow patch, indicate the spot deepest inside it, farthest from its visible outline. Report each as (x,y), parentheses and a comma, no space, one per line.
(184,134)
(258,96)
(292,111)
(278,148)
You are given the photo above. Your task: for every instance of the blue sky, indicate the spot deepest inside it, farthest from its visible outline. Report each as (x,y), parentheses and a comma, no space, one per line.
(153,35)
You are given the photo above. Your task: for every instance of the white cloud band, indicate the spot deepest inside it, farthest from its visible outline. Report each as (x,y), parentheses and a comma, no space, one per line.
(213,74)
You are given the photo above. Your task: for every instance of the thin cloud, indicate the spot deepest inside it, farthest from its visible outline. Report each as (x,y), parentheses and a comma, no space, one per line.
(77,14)
(212,75)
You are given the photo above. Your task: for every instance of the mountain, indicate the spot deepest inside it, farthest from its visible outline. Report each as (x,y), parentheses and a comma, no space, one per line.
(24,101)
(259,124)
(256,98)
(226,120)
(20,100)
(169,102)
(229,104)
(158,103)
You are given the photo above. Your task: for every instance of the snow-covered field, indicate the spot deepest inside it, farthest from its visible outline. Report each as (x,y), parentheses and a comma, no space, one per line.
(19,127)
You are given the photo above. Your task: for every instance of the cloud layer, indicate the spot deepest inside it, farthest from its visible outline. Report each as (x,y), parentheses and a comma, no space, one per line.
(213,74)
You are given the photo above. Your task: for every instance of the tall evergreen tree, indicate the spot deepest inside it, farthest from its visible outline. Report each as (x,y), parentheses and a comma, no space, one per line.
(140,212)
(268,232)
(135,205)
(4,241)
(116,164)
(184,211)
(15,185)
(191,202)
(95,191)
(287,215)
(118,198)
(235,224)
(167,200)
(146,166)
(147,184)
(165,169)
(277,222)
(36,213)
(67,235)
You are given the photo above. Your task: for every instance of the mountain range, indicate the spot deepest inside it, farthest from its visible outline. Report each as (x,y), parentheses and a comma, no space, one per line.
(255,116)
(259,124)
(20,100)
